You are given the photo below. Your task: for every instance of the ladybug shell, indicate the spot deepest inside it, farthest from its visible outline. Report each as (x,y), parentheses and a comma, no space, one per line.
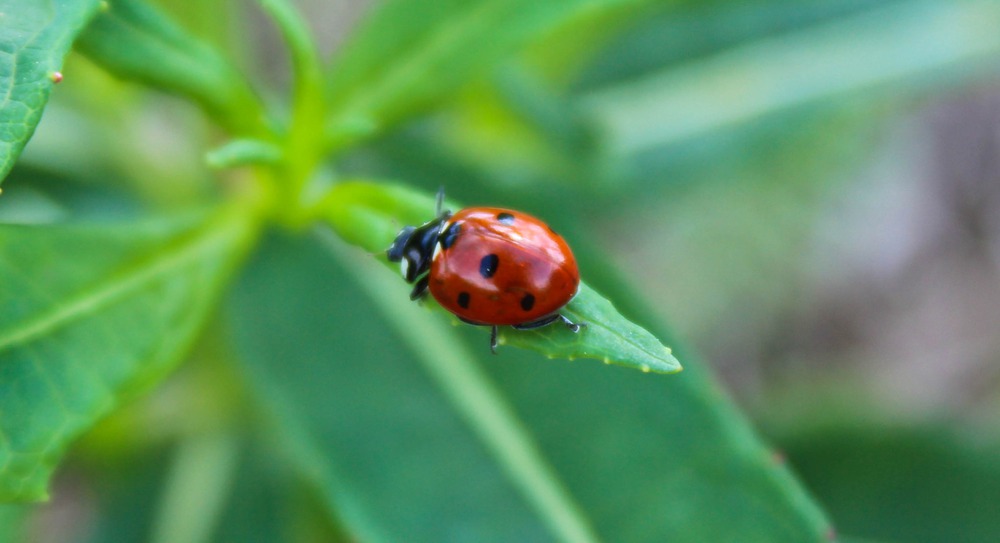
(498,267)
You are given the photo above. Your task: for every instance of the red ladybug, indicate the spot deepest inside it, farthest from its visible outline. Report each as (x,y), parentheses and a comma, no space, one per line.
(490,267)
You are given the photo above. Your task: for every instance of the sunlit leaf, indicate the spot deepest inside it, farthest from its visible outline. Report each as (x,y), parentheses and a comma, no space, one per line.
(34,38)
(93,315)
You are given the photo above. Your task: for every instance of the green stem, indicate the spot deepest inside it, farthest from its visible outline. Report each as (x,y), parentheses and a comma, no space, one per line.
(303,145)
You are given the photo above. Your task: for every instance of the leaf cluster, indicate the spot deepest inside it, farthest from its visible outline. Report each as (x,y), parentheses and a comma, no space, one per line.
(256,252)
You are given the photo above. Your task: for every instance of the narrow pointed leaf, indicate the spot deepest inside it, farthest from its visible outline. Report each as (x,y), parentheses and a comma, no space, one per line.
(93,315)
(134,40)
(369,215)
(34,38)
(894,48)
(361,419)
(408,429)
(408,55)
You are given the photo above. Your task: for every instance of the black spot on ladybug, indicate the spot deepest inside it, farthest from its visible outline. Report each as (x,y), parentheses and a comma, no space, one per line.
(447,239)
(528,302)
(463,300)
(488,265)
(505,218)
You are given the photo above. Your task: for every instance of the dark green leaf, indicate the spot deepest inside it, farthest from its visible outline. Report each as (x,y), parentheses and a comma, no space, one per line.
(894,482)
(93,315)
(410,430)
(134,40)
(369,215)
(34,38)
(361,419)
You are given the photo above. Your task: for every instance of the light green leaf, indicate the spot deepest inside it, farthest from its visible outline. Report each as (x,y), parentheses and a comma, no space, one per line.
(93,315)
(895,47)
(134,40)
(34,38)
(370,215)
(608,336)
(408,54)
(243,152)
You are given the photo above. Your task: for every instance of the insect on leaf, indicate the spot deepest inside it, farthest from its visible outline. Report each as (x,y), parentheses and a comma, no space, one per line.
(369,215)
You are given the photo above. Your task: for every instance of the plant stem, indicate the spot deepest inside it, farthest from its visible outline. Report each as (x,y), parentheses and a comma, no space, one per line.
(303,144)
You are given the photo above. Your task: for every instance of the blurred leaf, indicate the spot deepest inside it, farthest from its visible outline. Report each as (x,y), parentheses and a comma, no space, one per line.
(682,31)
(243,152)
(898,483)
(199,481)
(92,315)
(267,501)
(34,38)
(370,215)
(899,46)
(405,438)
(360,418)
(11,523)
(408,55)
(134,40)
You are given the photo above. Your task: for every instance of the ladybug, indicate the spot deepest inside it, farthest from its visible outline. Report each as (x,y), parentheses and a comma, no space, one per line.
(490,267)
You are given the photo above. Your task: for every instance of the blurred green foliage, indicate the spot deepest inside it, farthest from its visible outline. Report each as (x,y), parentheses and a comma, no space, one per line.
(700,156)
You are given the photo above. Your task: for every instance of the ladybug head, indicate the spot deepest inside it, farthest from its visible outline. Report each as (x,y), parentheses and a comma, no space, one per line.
(414,248)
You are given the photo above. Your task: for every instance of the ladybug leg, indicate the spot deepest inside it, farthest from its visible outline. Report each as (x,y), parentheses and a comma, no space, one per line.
(493,340)
(573,326)
(545,321)
(419,291)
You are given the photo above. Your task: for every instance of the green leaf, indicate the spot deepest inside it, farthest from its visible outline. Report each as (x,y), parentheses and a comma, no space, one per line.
(12,521)
(34,38)
(367,364)
(893,48)
(608,336)
(408,429)
(370,215)
(134,40)
(93,315)
(408,55)
(943,480)
(243,152)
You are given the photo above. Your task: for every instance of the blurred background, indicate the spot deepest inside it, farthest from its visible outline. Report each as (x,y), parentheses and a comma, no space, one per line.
(808,192)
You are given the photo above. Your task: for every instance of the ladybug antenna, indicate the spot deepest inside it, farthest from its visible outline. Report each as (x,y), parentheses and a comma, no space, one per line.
(439,201)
